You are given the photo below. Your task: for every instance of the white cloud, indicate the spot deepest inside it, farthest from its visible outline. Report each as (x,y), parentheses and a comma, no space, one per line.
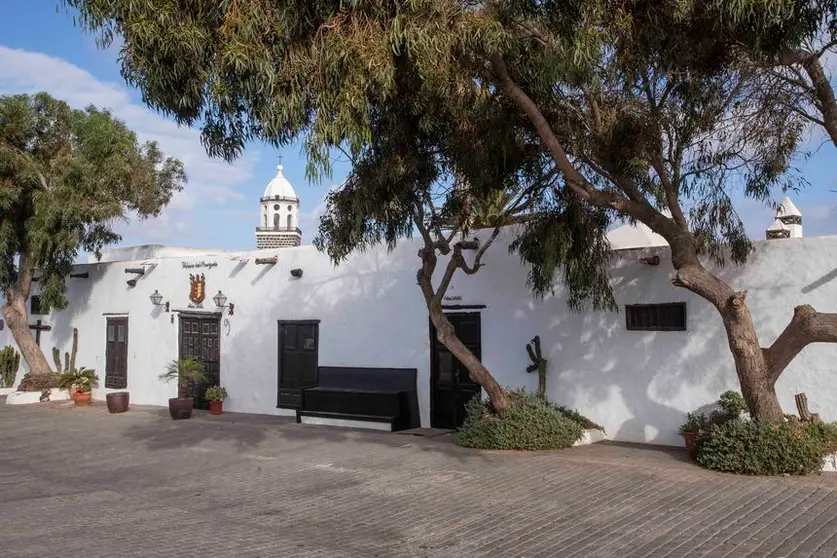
(211,182)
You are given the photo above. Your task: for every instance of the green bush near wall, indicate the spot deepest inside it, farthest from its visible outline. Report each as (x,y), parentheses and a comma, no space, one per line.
(530,423)
(754,447)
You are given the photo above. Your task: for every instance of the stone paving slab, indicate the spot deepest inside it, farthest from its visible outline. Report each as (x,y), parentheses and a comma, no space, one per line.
(81,482)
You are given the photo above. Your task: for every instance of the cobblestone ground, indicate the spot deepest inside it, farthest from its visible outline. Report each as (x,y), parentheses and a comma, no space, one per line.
(80,482)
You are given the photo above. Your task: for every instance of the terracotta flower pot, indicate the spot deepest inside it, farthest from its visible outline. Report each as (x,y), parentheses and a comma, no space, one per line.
(118,401)
(181,407)
(216,407)
(689,438)
(82,397)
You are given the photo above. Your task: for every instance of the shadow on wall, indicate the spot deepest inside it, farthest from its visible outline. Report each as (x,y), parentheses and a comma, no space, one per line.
(60,322)
(635,383)
(368,313)
(91,342)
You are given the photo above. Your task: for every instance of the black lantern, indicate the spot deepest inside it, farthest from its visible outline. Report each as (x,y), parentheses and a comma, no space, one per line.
(157,299)
(221,302)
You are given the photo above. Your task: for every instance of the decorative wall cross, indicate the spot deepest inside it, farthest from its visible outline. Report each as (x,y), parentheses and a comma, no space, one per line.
(39,327)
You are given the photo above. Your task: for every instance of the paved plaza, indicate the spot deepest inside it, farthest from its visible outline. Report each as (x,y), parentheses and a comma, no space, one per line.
(81,482)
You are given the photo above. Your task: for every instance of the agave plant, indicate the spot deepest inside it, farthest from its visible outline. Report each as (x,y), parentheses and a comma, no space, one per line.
(184,370)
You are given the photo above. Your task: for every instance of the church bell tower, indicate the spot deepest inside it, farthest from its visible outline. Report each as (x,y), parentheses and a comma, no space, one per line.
(279,214)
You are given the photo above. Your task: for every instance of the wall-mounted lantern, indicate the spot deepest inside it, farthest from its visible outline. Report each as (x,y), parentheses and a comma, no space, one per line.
(220,301)
(157,299)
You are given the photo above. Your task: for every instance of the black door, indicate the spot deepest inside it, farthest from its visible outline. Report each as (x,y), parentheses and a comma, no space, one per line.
(200,340)
(451,387)
(298,360)
(116,353)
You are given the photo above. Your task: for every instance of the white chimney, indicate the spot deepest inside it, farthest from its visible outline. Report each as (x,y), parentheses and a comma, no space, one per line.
(778,230)
(791,217)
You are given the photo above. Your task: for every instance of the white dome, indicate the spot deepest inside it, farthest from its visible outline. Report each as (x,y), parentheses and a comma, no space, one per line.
(279,187)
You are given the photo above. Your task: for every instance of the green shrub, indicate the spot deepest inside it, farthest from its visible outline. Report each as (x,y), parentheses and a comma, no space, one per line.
(732,404)
(825,433)
(754,447)
(529,423)
(215,393)
(573,415)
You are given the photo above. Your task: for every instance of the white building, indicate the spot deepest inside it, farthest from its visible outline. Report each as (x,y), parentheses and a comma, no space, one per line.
(290,323)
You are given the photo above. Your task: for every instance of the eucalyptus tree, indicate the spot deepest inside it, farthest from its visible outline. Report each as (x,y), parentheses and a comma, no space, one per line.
(587,111)
(66,176)
(793,45)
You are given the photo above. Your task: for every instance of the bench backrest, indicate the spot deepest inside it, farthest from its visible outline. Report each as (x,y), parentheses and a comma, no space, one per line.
(385,379)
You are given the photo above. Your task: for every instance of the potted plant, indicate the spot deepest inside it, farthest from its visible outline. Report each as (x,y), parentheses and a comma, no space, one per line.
(185,371)
(216,395)
(689,430)
(80,382)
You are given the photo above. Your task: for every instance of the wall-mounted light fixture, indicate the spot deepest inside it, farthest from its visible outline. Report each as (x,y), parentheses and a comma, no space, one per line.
(220,301)
(296,273)
(157,300)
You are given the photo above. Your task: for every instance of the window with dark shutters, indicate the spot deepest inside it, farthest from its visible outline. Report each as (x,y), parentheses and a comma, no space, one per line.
(35,304)
(656,317)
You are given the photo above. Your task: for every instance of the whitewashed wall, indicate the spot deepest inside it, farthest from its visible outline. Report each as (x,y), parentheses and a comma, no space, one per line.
(639,385)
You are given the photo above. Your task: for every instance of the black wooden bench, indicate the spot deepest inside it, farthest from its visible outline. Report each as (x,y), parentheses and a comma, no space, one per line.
(379,395)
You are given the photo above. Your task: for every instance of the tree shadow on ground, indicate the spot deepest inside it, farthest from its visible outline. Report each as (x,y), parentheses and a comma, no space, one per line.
(247,432)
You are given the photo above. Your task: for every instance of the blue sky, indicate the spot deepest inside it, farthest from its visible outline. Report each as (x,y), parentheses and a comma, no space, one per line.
(40,49)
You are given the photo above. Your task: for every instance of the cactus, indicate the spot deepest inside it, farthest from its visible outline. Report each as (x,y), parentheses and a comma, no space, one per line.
(69,358)
(56,356)
(72,359)
(538,363)
(9,364)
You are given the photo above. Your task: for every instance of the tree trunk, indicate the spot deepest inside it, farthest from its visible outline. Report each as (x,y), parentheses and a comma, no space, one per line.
(18,318)
(751,364)
(18,321)
(824,94)
(447,336)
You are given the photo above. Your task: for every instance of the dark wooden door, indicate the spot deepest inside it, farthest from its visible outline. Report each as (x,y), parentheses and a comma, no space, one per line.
(200,339)
(298,360)
(116,353)
(451,387)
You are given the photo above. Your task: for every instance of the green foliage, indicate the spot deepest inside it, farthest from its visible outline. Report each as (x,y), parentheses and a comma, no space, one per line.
(82,379)
(826,433)
(67,177)
(575,416)
(762,448)
(216,393)
(38,382)
(732,404)
(184,371)
(642,97)
(529,423)
(9,364)
(694,423)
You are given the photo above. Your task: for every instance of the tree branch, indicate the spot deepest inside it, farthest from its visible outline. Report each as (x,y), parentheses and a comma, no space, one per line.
(807,326)
(639,209)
